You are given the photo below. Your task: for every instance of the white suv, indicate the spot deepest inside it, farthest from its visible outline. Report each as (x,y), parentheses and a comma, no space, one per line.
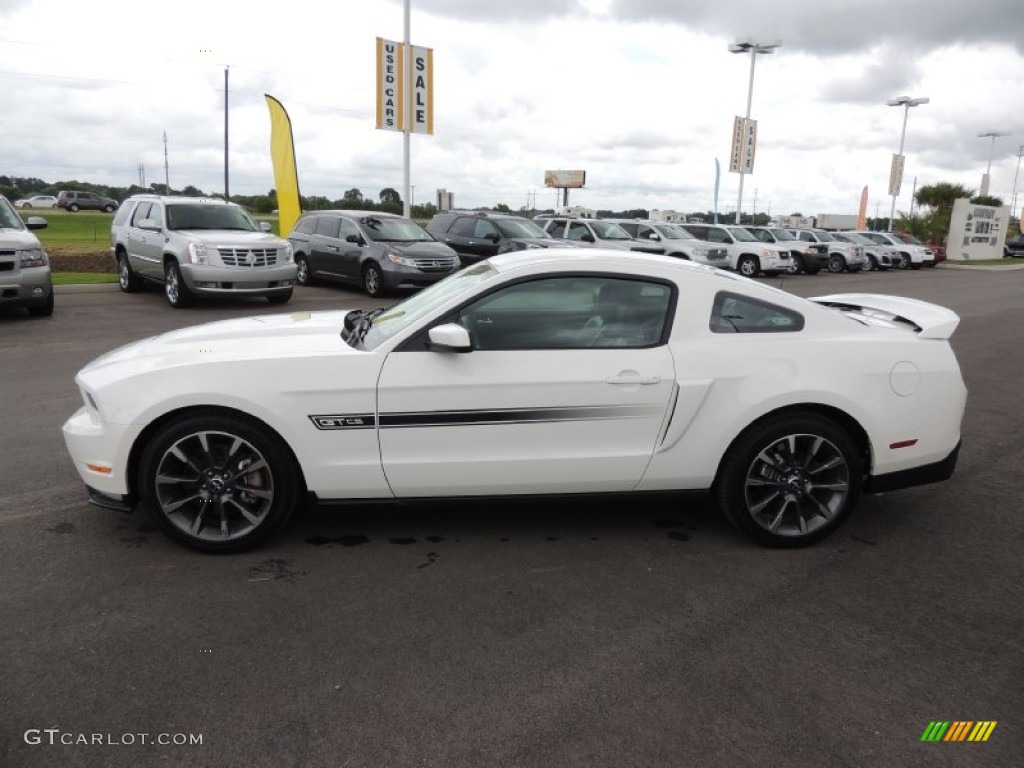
(594,233)
(674,240)
(199,247)
(747,255)
(842,257)
(911,256)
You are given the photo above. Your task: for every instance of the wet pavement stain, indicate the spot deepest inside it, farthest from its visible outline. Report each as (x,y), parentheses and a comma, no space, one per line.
(62,528)
(403,541)
(275,569)
(349,540)
(678,535)
(434,539)
(864,540)
(431,559)
(135,541)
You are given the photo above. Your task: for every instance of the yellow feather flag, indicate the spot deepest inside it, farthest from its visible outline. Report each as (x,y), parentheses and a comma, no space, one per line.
(286,175)
(862,214)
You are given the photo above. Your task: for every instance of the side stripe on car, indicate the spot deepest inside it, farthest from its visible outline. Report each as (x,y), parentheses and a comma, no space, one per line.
(490,416)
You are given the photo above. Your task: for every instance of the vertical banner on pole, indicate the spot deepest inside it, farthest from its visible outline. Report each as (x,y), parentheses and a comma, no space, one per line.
(390,85)
(862,213)
(422,113)
(286,174)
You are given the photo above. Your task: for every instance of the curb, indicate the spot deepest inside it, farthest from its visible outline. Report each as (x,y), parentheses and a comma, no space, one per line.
(988,268)
(86,288)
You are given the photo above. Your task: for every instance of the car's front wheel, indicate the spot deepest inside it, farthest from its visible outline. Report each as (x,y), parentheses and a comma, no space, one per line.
(798,267)
(373,280)
(872,264)
(836,264)
(302,273)
(790,480)
(73,207)
(748,266)
(218,483)
(45,309)
(905,262)
(126,278)
(177,293)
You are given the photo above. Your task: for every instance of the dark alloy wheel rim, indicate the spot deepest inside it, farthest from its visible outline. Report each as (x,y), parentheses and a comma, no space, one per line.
(796,485)
(372,281)
(123,275)
(214,486)
(172,286)
(303,271)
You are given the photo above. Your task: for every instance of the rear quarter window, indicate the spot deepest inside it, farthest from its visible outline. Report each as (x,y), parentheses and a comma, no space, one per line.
(735,313)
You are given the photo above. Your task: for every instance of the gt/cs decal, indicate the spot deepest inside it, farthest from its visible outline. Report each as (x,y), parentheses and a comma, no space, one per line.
(344,421)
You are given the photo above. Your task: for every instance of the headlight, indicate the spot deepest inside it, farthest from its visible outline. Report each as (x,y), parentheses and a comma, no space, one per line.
(397,258)
(197,253)
(33,257)
(287,253)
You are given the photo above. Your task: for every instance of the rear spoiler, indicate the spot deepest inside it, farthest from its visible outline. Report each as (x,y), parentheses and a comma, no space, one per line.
(929,321)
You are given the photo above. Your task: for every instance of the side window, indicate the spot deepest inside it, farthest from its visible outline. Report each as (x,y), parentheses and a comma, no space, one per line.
(577,229)
(806,237)
(761,235)
(631,229)
(156,213)
(347,228)
(464,226)
(718,236)
(647,233)
(733,313)
(556,229)
(327,226)
(484,228)
(123,214)
(306,225)
(572,312)
(141,212)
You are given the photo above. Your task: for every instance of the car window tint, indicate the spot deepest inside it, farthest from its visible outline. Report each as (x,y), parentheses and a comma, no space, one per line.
(484,228)
(718,236)
(464,226)
(577,230)
(327,226)
(156,213)
(571,312)
(307,225)
(346,228)
(734,313)
(556,229)
(141,212)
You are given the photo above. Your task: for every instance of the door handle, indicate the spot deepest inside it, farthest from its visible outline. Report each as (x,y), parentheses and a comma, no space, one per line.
(632,377)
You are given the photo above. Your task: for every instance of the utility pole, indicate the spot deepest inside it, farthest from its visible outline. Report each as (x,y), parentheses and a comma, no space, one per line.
(142,175)
(167,172)
(1013,203)
(227,194)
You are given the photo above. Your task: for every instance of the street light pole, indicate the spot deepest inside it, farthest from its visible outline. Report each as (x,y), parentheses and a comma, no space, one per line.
(906,102)
(754,48)
(988,171)
(1013,203)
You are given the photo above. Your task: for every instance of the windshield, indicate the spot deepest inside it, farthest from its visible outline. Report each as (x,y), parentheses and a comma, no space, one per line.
(877,237)
(401,316)
(9,218)
(781,234)
(823,236)
(520,228)
(394,230)
(853,237)
(742,235)
(608,231)
(671,233)
(212,216)
(908,238)
(684,233)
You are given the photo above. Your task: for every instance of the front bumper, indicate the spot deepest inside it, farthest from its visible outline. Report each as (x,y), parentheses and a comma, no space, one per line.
(211,280)
(100,452)
(398,276)
(25,287)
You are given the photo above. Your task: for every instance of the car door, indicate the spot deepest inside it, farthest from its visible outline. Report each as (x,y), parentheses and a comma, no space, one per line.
(566,391)
(138,243)
(462,237)
(323,248)
(351,246)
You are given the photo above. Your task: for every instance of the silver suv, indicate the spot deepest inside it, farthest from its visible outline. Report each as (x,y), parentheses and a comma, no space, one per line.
(674,240)
(199,247)
(24,269)
(595,233)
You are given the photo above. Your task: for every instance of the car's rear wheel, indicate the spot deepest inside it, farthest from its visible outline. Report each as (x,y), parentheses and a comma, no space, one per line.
(373,280)
(302,274)
(218,483)
(791,480)
(280,298)
(73,207)
(836,264)
(177,293)
(748,266)
(45,309)
(126,278)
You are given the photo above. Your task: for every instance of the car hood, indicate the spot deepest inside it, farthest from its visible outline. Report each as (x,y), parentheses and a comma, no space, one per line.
(235,237)
(424,248)
(297,334)
(18,238)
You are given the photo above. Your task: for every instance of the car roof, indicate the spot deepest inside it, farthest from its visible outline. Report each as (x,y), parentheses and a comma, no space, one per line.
(355,214)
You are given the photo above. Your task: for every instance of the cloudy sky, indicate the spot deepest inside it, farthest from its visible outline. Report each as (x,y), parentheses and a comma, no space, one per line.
(639,93)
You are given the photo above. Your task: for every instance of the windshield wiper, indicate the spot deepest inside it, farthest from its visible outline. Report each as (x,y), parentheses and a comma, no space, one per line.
(358,323)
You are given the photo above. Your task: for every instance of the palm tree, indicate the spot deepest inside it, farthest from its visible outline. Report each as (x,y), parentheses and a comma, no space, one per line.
(940,199)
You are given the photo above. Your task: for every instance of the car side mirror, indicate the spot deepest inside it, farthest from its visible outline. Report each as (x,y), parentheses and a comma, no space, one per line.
(450,337)
(265,226)
(653,236)
(354,239)
(587,238)
(149,224)
(493,237)
(36,222)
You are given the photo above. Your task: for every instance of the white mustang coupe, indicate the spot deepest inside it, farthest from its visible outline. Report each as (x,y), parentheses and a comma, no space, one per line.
(547,372)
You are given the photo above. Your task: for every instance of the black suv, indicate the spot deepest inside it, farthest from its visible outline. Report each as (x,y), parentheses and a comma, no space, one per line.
(477,235)
(88,201)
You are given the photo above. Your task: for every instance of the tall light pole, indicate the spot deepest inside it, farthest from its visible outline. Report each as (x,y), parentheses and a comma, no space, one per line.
(896,172)
(1013,203)
(988,172)
(753,48)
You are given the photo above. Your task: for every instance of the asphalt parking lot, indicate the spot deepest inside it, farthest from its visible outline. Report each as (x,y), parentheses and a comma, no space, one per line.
(579,634)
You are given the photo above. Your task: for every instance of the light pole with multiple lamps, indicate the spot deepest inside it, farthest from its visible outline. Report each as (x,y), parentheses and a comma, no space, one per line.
(896,172)
(753,48)
(1013,199)
(988,172)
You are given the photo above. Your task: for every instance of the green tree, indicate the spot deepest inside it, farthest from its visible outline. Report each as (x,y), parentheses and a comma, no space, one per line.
(939,199)
(389,195)
(987,200)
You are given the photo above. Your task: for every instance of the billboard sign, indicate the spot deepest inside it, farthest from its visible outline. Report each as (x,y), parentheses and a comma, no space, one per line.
(565,179)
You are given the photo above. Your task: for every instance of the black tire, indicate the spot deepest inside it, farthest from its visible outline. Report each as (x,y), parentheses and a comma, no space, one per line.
(200,502)
(126,278)
(905,262)
(73,207)
(766,484)
(280,298)
(45,309)
(175,290)
(836,263)
(373,280)
(748,266)
(799,267)
(872,264)
(108,208)
(302,275)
